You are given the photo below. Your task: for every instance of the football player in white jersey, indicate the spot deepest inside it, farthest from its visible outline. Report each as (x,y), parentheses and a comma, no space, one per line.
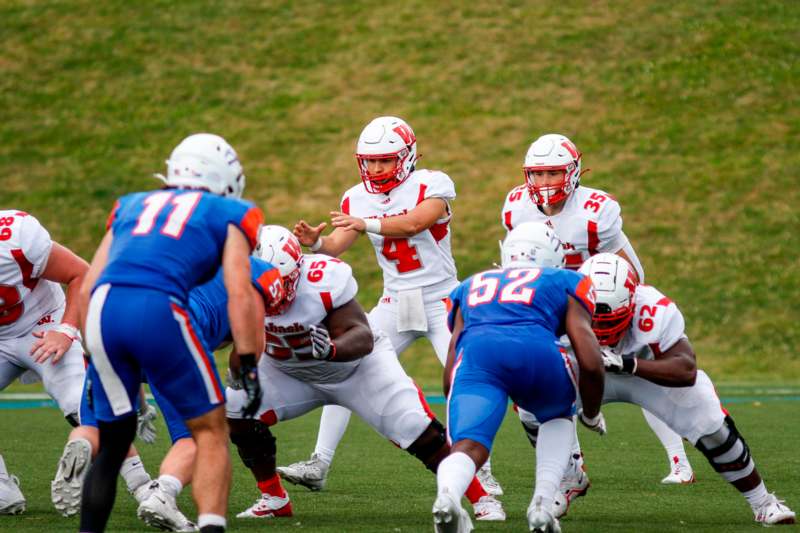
(650,362)
(320,349)
(588,222)
(405,213)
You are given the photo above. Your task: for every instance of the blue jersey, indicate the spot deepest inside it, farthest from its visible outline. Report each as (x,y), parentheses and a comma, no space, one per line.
(530,297)
(208,303)
(172,240)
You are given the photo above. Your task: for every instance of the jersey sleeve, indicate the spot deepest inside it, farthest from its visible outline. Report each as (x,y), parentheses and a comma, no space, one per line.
(580,287)
(245,216)
(112,216)
(264,276)
(436,184)
(344,284)
(513,199)
(35,243)
(671,330)
(609,228)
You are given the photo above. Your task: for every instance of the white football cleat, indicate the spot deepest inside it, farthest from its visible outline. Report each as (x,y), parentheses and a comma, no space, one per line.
(541,520)
(681,474)
(574,484)
(310,474)
(160,511)
(449,516)
(490,484)
(67,487)
(268,507)
(489,509)
(774,512)
(11,499)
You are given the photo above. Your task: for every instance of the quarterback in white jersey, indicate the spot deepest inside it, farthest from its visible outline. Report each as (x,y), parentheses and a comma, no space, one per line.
(320,349)
(37,322)
(588,222)
(406,214)
(649,362)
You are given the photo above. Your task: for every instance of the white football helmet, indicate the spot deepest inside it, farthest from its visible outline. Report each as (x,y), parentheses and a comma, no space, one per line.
(552,152)
(279,247)
(205,161)
(531,244)
(383,138)
(615,283)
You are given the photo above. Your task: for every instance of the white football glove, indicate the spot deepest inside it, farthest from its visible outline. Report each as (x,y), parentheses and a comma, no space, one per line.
(322,347)
(612,361)
(145,428)
(596,424)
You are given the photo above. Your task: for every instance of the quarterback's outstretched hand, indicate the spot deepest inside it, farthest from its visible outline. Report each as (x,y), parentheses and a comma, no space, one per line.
(341,220)
(596,424)
(145,428)
(248,374)
(308,235)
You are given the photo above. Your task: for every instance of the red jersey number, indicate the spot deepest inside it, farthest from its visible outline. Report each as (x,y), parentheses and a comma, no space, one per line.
(401,253)
(646,324)
(594,202)
(5,231)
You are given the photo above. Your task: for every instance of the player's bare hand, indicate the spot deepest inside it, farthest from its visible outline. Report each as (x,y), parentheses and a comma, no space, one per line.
(307,234)
(341,220)
(51,344)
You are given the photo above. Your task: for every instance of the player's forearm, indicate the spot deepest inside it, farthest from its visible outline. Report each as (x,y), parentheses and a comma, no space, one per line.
(247,326)
(336,243)
(679,371)
(354,343)
(72,307)
(402,226)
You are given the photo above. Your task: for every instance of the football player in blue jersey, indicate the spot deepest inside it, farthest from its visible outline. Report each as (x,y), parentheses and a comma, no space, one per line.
(506,324)
(134,303)
(157,498)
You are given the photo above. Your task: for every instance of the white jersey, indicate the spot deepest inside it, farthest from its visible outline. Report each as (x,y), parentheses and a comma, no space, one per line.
(25,300)
(656,326)
(589,222)
(424,260)
(325,284)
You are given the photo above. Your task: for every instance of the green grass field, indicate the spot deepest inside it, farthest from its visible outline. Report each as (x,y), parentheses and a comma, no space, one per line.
(376,487)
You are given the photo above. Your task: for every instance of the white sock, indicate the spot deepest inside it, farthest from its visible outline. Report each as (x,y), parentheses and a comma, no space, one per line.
(3,471)
(552,455)
(455,473)
(576,444)
(332,425)
(757,496)
(170,484)
(671,441)
(209,519)
(133,473)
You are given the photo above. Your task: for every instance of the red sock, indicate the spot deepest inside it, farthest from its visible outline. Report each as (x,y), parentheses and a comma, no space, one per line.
(272,486)
(475,491)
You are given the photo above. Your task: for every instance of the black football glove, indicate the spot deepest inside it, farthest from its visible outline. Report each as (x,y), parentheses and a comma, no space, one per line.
(248,374)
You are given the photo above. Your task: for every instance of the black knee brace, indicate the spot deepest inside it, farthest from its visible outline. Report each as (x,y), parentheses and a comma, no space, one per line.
(430,447)
(531,432)
(72,419)
(256,444)
(713,452)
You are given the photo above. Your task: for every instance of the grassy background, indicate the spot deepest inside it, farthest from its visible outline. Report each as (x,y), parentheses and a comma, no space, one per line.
(366,493)
(687,112)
